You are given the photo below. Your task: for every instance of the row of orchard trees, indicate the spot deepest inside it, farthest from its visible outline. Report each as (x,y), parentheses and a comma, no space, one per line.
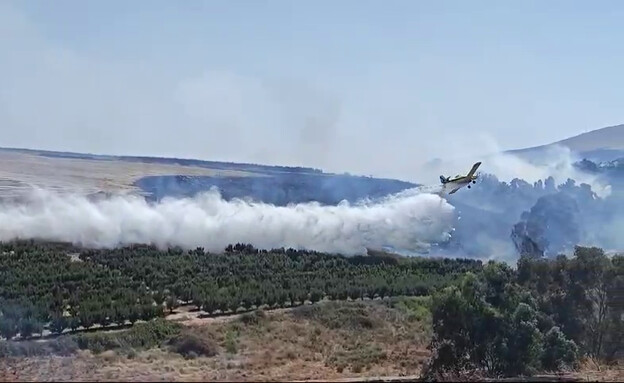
(46,288)
(22,319)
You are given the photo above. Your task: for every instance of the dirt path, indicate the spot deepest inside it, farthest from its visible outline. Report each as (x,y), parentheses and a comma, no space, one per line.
(186,315)
(189,317)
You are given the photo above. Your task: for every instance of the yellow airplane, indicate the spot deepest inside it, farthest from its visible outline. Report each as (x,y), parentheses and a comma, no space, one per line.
(456,183)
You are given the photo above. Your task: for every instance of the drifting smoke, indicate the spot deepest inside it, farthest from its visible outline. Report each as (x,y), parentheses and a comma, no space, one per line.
(554,161)
(409,222)
(542,197)
(541,208)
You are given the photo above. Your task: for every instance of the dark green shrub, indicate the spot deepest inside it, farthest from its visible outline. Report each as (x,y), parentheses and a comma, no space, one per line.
(559,352)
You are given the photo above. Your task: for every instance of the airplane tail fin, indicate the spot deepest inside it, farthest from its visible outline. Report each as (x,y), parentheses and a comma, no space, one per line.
(442,180)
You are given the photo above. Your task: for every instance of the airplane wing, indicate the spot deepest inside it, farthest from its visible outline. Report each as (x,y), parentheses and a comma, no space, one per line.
(455,189)
(473,170)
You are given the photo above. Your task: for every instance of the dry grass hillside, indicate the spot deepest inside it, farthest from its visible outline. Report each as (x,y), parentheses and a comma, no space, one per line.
(331,340)
(18,171)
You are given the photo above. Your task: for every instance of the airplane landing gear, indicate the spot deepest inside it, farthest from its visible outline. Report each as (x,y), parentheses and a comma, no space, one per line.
(468,186)
(474,182)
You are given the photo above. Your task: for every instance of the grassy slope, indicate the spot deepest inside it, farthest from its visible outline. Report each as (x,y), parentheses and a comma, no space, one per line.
(340,341)
(321,341)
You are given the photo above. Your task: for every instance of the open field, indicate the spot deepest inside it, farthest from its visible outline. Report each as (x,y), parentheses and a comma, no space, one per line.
(19,170)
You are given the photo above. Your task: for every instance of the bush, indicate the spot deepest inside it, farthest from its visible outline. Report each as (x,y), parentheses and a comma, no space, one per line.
(417,309)
(63,346)
(190,346)
(559,352)
(231,343)
(140,336)
(99,342)
(8,327)
(253,318)
(523,343)
(358,356)
(21,349)
(131,353)
(153,333)
(338,315)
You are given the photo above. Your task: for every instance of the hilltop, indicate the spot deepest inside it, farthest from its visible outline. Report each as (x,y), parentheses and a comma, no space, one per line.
(604,144)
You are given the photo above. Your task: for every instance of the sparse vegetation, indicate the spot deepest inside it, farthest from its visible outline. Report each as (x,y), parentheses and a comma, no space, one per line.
(141,336)
(358,357)
(231,342)
(62,346)
(337,315)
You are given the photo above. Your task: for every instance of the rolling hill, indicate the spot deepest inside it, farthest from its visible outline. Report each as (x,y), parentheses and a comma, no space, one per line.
(599,145)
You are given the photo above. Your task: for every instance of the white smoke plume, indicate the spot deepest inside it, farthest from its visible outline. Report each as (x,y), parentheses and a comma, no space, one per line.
(552,161)
(410,221)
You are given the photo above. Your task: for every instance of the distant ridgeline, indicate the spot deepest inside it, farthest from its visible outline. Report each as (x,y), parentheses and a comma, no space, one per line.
(172,161)
(278,188)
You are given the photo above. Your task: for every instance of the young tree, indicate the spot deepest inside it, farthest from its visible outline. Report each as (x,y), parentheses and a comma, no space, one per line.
(134,314)
(559,352)
(171,303)
(8,327)
(74,323)
(315,295)
(27,327)
(58,324)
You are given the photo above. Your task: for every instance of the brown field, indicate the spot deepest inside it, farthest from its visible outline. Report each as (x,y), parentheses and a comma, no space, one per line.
(19,170)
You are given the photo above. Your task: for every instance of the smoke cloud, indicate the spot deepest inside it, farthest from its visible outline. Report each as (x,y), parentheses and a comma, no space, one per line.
(411,222)
(552,161)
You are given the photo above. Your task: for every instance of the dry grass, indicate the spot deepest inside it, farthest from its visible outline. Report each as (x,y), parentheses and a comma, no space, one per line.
(330,341)
(594,371)
(275,346)
(19,170)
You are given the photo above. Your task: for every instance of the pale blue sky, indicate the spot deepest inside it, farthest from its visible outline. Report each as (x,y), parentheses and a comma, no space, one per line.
(374,87)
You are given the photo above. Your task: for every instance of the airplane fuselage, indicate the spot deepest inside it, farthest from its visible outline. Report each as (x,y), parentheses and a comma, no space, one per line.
(454,184)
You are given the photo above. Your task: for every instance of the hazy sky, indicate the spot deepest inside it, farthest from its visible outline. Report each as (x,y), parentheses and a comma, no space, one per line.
(373,87)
